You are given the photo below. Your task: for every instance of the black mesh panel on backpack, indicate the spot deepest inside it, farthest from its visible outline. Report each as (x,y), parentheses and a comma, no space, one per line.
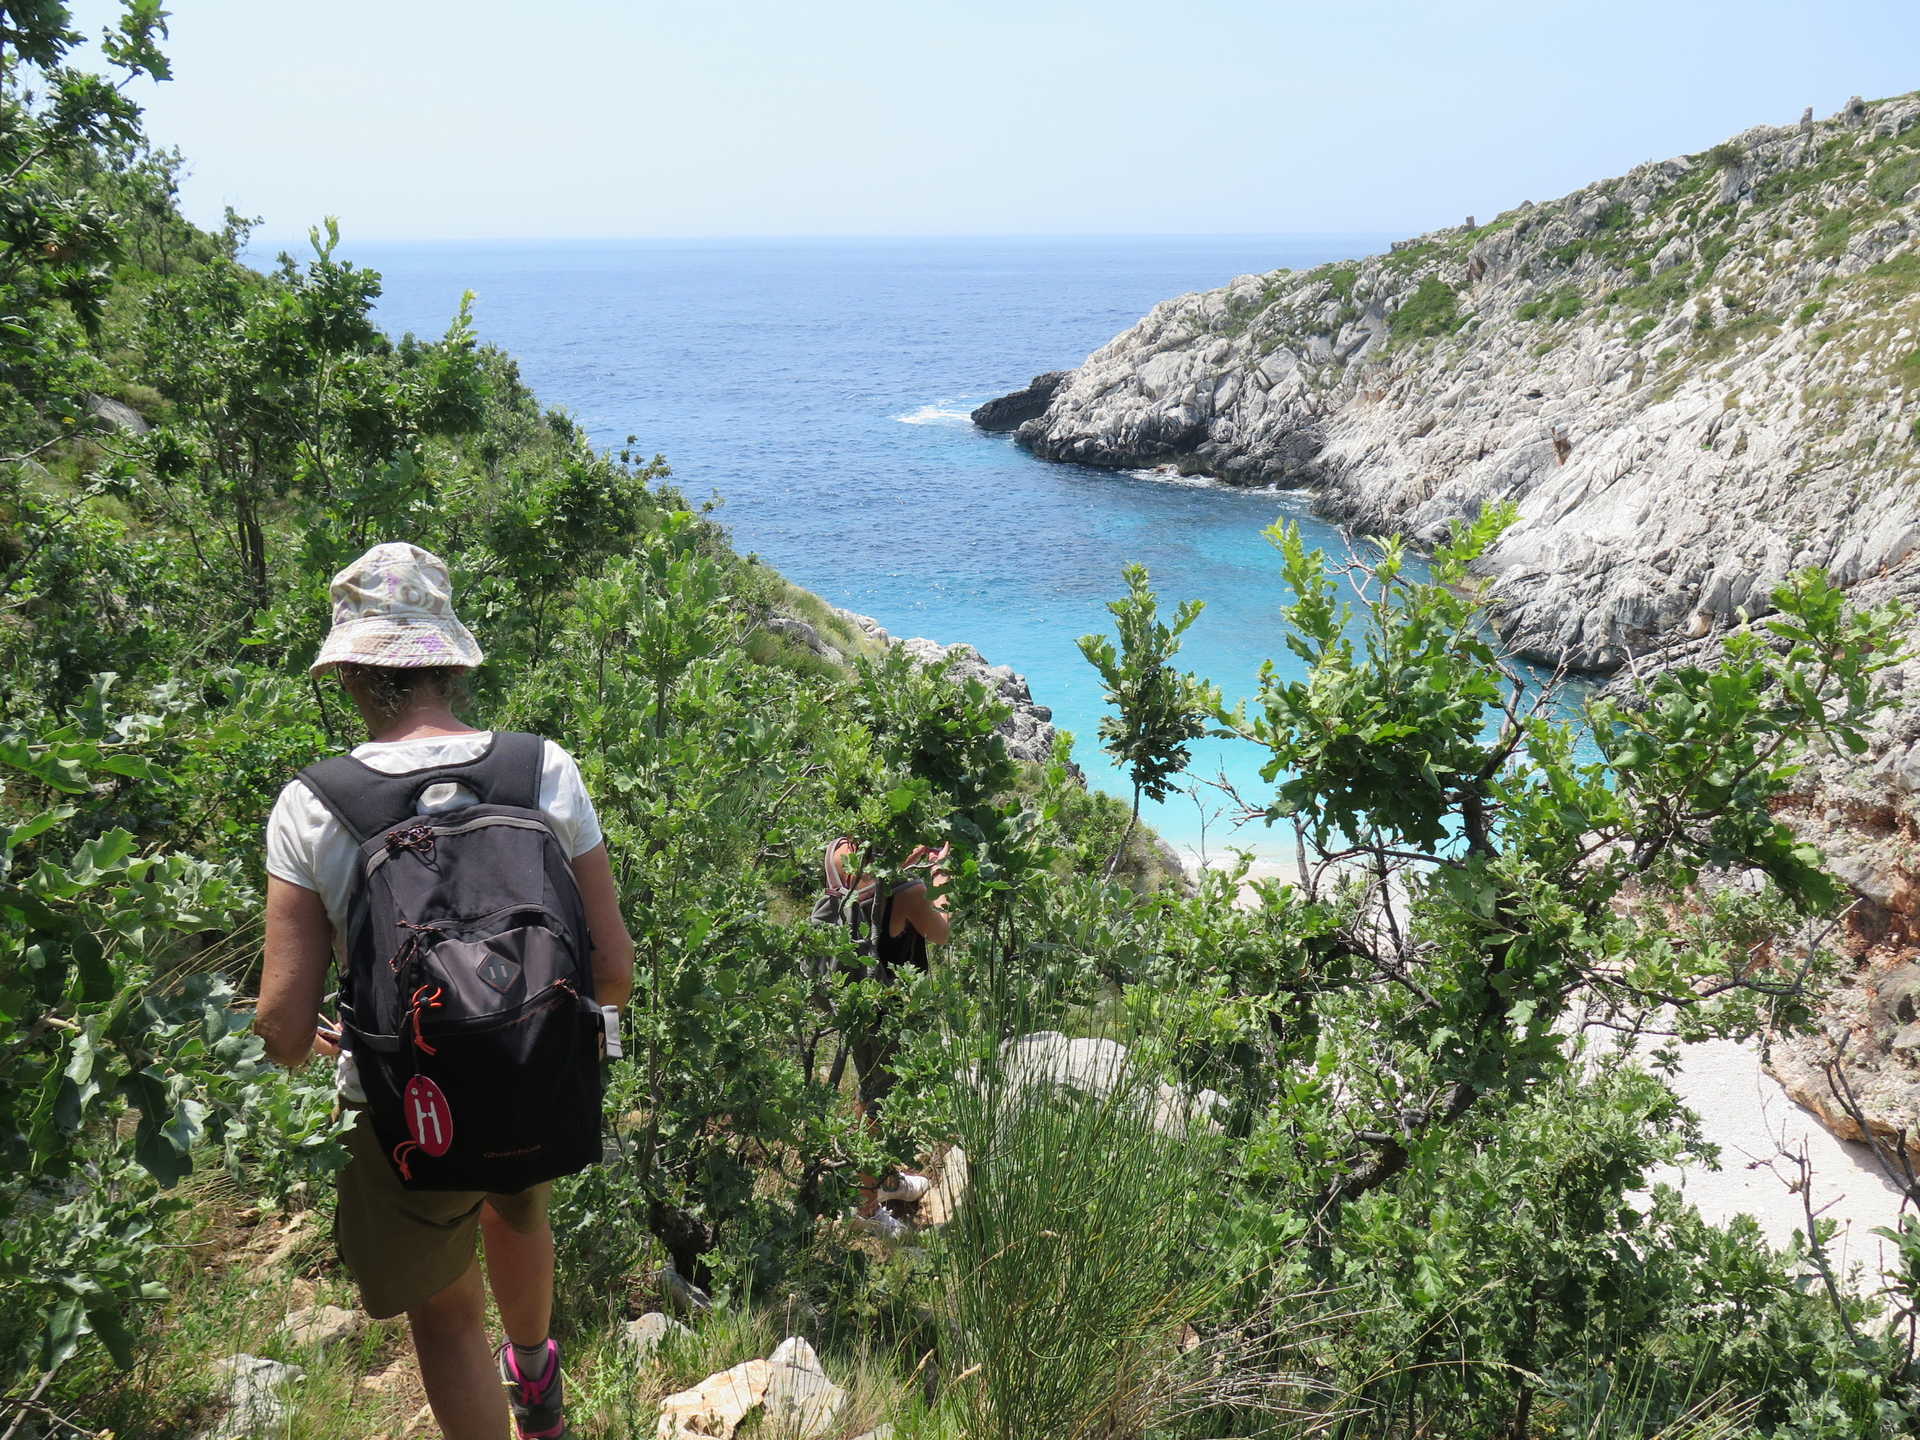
(467,987)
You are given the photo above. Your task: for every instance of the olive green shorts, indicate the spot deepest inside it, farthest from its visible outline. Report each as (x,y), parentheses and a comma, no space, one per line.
(406,1246)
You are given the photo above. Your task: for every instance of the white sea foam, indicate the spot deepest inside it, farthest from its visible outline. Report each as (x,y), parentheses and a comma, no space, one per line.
(936,415)
(1167,475)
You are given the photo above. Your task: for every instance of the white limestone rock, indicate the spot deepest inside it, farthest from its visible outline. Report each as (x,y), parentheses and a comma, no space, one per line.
(1664,473)
(315,1327)
(801,1402)
(1047,1058)
(255,1409)
(713,1409)
(651,1331)
(1028,728)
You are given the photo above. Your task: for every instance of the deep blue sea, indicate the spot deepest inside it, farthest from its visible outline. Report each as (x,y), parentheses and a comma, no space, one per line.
(820,388)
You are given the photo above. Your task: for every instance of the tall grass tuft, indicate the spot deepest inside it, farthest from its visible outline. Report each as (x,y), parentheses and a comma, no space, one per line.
(1081,1299)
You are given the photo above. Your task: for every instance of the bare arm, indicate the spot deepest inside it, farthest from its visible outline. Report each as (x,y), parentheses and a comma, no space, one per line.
(612,946)
(925,910)
(299,947)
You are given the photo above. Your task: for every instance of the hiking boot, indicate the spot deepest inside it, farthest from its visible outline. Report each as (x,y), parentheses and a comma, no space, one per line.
(537,1403)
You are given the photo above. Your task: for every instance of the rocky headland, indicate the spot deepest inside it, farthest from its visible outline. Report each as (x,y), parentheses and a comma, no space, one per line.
(1689,381)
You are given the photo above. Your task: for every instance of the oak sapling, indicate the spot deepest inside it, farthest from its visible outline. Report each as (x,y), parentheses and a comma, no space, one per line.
(1157,710)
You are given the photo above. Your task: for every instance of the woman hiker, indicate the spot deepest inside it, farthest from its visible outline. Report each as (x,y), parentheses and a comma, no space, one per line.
(911,916)
(398,650)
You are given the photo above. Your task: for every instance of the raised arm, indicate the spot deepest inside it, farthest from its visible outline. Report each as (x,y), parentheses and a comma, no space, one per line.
(925,908)
(612,946)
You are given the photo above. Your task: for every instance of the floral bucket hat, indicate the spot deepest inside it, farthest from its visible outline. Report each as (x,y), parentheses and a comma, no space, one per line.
(393,607)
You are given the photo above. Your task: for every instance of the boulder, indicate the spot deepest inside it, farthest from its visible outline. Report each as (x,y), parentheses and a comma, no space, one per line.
(803,634)
(114,415)
(944,1199)
(254,1409)
(713,1409)
(1028,403)
(651,1331)
(315,1327)
(1028,728)
(1046,1059)
(801,1402)
(679,1294)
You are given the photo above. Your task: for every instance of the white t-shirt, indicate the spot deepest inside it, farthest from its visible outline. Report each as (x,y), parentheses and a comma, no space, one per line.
(307,847)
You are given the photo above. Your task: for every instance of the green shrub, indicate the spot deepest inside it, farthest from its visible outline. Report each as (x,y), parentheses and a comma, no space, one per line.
(1894,180)
(1562,304)
(1617,215)
(1735,332)
(1711,252)
(1667,288)
(1432,310)
(1830,236)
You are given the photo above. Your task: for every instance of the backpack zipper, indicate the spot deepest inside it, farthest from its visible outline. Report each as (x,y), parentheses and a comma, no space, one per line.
(381,856)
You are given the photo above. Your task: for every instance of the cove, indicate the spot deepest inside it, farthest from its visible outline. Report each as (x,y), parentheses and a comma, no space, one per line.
(820,389)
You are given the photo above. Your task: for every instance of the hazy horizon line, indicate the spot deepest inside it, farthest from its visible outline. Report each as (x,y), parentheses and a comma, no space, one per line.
(348,237)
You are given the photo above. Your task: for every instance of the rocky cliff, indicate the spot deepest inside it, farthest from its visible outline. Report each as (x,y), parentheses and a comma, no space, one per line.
(1689,380)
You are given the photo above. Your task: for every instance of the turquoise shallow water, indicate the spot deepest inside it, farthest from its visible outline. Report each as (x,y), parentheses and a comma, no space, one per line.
(821,389)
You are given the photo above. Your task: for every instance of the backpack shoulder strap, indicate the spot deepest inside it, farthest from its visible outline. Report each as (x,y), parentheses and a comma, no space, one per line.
(365,800)
(509,773)
(358,796)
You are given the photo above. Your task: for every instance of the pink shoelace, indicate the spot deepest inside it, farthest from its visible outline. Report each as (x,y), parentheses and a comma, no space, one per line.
(533,1392)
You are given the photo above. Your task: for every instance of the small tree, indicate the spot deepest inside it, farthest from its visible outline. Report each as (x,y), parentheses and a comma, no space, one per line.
(1157,710)
(1498,882)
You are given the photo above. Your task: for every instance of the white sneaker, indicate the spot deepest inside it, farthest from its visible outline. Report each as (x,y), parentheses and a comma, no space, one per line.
(883,1225)
(908,1188)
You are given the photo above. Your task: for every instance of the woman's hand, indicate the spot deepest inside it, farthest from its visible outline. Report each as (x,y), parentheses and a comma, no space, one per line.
(327,1037)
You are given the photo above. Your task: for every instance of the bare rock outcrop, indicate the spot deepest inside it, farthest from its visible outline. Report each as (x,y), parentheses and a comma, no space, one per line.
(1689,380)
(1011,411)
(1863,814)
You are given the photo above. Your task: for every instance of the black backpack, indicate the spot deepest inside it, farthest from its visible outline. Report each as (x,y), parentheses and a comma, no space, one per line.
(840,907)
(867,920)
(467,992)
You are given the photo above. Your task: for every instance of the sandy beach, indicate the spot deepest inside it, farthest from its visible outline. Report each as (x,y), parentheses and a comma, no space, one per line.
(1750,1117)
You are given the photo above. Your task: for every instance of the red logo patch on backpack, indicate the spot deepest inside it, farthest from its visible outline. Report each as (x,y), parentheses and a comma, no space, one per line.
(429,1118)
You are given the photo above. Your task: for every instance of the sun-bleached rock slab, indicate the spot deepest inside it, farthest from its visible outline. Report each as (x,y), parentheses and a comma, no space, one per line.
(315,1327)
(801,1402)
(1047,1058)
(713,1409)
(255,1409)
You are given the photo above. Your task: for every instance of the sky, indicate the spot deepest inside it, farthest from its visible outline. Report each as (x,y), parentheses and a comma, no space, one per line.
(496,119)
